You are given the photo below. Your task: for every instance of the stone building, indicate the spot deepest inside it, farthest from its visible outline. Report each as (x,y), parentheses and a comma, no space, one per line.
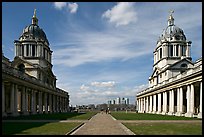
(175,86)
(28,83)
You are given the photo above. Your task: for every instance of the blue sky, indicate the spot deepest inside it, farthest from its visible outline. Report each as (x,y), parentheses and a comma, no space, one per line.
(102,50)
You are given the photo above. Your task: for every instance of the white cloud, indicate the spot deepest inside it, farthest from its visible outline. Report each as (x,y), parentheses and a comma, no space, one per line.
(83,87)
(103,84)
(121,14)
(59,5)
(73,7)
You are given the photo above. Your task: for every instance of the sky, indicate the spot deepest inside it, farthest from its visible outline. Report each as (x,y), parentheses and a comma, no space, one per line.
(102,50)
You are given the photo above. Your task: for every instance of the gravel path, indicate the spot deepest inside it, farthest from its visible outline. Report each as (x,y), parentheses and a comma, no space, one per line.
(102,124)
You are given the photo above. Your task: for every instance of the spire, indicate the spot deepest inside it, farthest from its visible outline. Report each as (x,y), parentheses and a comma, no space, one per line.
(171,18)
(34,18)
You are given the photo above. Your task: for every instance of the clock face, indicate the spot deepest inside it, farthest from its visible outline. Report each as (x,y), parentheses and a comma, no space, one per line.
(177,37)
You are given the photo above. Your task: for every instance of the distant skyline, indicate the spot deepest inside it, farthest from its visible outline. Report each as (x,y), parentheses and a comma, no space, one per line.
(102,50)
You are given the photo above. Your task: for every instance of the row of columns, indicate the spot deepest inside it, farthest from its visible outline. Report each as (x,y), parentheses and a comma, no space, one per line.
(22,100)
(154,103)
(177,51)
(27,50)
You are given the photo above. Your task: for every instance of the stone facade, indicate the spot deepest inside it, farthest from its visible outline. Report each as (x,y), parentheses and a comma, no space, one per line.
(175,86)
(28,83)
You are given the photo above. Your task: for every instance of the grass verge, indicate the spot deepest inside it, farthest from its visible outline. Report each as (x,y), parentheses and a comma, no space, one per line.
(165,128)
(146,116)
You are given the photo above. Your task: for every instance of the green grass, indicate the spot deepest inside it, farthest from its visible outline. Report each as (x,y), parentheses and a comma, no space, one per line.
(165,128)
(37,128)
(54,116)
(145,116)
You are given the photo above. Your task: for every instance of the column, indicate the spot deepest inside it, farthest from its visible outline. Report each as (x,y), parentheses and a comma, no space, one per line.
(192,96)
(188,93)
(150,104)
(50,103)
(15,113)
(144,105)
(12,98)
(147,106)
(54,103)
(3,100)
(154,104)
(200,111)
(164,103)
(40,102)
(181,100)
(33,102)
(23,100)
(45,102)
(26,101)
(159,103)
(170,103)
(178,102)
(139,107)
(174,50)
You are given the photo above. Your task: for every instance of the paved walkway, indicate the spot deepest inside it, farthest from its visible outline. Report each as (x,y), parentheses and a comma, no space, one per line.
(102,124)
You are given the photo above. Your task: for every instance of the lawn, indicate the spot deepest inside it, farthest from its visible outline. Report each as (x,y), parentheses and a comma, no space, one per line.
(37,128)
(165,128)
(146,116)
(46,128)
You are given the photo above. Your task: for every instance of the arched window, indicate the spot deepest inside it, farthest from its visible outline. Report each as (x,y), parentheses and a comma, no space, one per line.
(21,68)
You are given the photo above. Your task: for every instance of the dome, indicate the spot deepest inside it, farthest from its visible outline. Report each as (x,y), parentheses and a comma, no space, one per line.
(35,32)
(172,31)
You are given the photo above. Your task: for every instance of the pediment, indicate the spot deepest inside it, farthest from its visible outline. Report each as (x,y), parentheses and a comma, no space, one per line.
(17,61)
(180,64)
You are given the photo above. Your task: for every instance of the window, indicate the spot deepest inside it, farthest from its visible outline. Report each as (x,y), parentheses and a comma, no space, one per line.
(21,68)
(170,50)
(33,50)
(27,50)
(22,46)
(184,65)
(183,50)
(160,53)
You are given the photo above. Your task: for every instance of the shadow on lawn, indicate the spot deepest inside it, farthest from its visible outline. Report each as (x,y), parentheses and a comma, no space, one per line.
(11,128)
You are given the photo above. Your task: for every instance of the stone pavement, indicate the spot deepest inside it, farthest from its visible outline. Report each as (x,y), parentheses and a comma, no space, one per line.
(102,124)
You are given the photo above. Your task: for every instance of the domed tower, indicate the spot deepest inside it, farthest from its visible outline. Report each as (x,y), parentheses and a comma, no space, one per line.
(172,47)
(33,54)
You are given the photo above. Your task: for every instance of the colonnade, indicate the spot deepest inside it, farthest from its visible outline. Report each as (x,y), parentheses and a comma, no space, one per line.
(179,101)
(32,50)
(22,100)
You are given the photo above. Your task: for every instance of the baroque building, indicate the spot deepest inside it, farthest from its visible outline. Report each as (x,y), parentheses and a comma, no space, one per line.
(28,83)
(175,86)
